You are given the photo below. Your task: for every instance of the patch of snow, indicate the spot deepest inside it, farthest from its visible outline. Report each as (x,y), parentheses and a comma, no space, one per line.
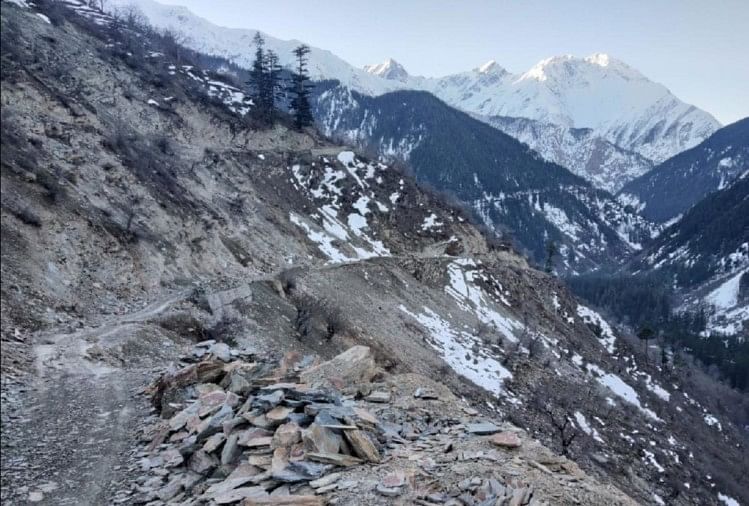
(650,457)
(323,240)
(711,421)
(431,222)
(726,295)
(620,388)
(361,205)
(462,286)
(727,500)
(585,427)
(607,335)
(153,102)
(456,347)
(44,18)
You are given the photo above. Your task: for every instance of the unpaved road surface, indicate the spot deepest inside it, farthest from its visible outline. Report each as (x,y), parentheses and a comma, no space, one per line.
(69,431)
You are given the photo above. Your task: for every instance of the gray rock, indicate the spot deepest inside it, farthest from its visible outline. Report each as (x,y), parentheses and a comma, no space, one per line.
(325,480)
(321,440)
(214,423)
(231,451)
(482,428)
(425,394)
(201,462)
(232,496)
(387,491)
(378,396)
(170,490)
(221,351)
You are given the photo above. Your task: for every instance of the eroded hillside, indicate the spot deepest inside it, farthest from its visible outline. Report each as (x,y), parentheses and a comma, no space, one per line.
(143,211)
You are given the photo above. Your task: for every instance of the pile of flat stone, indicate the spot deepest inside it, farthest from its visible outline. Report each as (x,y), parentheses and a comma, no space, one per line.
(243,430)
(491,491)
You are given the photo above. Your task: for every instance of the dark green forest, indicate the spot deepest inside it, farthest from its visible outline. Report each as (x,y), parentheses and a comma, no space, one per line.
(647,302)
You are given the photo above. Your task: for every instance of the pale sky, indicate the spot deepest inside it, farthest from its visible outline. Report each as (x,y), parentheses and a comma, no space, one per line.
(699,49)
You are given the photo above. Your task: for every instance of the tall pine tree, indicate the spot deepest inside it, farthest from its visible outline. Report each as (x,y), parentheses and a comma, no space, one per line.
(259,81)
(272,83)
(300,90)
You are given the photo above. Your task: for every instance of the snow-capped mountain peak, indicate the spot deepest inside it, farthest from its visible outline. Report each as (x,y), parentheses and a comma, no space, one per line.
(597,92)
(601,59)
(389,69)
(490,67)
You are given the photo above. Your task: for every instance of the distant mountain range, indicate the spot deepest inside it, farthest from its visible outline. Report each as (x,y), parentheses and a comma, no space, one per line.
(627,118)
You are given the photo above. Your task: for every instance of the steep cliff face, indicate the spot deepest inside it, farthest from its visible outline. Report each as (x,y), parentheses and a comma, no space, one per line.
(144,210)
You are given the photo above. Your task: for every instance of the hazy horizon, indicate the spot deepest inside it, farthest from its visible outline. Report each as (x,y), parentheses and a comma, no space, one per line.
(693,48)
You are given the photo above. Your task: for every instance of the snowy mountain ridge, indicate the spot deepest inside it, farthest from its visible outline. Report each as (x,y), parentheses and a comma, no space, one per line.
(597,92)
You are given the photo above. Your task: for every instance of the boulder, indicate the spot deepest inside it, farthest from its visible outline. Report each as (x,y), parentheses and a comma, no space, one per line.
(320,439)
(355,365)
(286,435)
(231,451)
(201,462)
(362,445)
(378,396)
(506,440)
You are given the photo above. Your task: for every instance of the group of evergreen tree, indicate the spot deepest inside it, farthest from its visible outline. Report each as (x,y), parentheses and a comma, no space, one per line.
(268,90)
(645,303)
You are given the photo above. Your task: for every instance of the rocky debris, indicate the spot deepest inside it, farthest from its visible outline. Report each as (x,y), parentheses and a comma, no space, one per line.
(477,491)
(279,440)
(239,430)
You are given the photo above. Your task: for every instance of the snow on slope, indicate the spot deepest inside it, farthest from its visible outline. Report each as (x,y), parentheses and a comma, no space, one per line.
(581,150)
(730,312)
(598,92)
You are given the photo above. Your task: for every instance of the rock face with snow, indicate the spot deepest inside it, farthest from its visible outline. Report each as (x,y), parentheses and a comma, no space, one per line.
(680,182)
(619,105)
(390,69)
(581,150)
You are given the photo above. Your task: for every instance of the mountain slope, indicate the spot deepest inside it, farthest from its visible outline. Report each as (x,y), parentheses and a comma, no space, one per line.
(507,184)
(706,253)
(597,92)
(680,182)
(599,161)
(142,214)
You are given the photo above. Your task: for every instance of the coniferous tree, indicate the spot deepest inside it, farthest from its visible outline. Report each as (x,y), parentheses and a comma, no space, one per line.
(551,251)
(646,333)
(300,91)
(258,80)
(272,82)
